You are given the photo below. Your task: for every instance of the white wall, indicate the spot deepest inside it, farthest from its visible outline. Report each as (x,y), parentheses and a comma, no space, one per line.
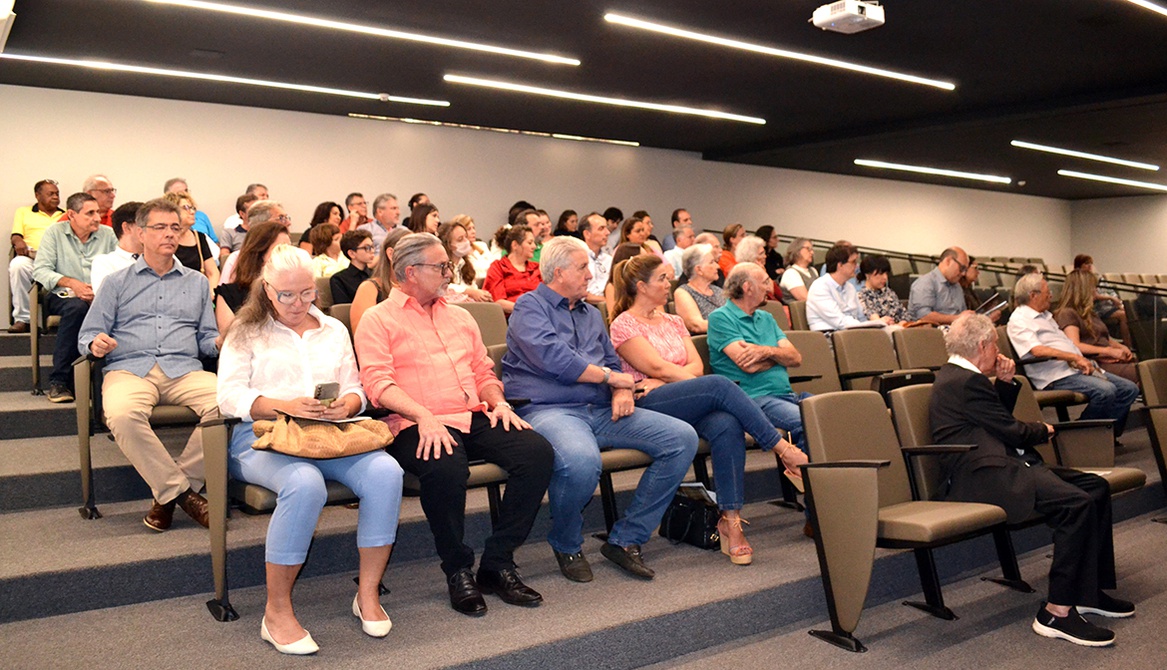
(1122,234)
(307,158)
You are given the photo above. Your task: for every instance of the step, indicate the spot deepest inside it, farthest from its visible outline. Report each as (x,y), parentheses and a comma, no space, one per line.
(24,415)
(16,372)
(12,344)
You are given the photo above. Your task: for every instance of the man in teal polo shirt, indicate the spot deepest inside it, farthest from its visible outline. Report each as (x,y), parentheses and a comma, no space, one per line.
(746,345)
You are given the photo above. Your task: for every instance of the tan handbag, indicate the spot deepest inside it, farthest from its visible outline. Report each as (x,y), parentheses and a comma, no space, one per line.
(306,438)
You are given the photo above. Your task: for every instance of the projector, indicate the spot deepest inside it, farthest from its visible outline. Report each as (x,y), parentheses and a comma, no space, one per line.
(848,16)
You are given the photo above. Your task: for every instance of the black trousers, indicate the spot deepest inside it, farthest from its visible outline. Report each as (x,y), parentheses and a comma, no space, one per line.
(524,454)
(72,312)
(1077,507)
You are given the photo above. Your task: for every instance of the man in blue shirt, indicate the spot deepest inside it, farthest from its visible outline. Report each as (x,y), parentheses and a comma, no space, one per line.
(151,322)
(937,297)
(560,358)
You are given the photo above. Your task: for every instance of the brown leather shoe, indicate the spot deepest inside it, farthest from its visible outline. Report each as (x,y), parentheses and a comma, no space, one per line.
(808,530)
(19,327)
(195,506)
(160,516)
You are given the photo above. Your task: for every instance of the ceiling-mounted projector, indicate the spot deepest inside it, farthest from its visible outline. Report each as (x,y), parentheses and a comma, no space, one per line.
(848,16)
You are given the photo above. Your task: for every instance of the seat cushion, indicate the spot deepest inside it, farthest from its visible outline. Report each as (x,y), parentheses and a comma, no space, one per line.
(1121,479)
(173,415)
(1053,398)
(614,460)
(928,521)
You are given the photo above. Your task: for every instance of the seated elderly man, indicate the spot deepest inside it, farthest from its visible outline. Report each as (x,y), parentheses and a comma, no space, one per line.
(832,302)
(746,345)
(1034,333)
(1005,470)
(29,224)
(150,322)
(425,361)
(560,358)
(937,297)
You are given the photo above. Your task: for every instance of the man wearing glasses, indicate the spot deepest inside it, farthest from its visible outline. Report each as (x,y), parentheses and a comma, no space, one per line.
(151,323)
(937,297)
(260,211)
(101,188)
(425,361)
(357,246)
(28,227)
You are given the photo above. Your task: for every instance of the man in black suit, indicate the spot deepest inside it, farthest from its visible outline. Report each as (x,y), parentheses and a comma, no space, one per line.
(1005,470)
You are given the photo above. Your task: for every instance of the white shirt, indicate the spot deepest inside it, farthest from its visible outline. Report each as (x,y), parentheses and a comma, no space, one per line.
(228,274)
(830,306)
(1029,328)
(107,264)
(794,277)
(673,257)
(325,266)
(601,266)
(281,365)
(481,258)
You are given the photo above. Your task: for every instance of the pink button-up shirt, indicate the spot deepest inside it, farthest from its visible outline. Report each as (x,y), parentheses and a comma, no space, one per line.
(440,361)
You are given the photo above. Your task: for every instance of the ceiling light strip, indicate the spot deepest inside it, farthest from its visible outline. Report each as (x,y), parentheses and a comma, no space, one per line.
(585,97)
(1081,154)
(465,126)
(1158,9)
(306,88)
(254,12)
(1113,180)
(772,51)
(934,171)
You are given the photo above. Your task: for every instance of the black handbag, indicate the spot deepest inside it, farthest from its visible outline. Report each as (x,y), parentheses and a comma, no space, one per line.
(692,522)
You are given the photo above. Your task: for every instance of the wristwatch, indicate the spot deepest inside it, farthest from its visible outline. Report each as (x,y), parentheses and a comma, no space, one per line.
(607,373)
(504,404)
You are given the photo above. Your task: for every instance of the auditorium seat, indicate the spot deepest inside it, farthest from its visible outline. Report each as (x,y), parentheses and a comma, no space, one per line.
(866,360)
(491,320)
(323,294)
(39,321)
(798,315)
(778,311)
(1153,379)
(1060,400)
(817,372)
(920,347)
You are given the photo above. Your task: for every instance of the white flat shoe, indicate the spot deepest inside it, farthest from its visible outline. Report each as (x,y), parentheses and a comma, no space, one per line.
(372,628)
(302,647)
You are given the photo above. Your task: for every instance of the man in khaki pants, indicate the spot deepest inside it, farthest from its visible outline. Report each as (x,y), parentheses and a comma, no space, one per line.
(151,323)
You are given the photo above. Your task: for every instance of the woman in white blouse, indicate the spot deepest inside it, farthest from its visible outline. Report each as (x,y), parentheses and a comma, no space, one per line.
(277,350)
(799,274)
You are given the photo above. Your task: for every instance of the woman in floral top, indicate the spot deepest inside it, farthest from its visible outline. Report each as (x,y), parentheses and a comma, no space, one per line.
(875,297)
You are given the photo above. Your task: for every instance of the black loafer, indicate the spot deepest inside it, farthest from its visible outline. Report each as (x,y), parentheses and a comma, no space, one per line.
(464,594)
(574,566)
(506,585)
(628,558)
(1071,627)
(1110,607)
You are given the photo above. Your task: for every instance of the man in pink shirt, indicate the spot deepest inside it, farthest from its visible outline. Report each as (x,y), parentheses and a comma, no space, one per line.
(425,361)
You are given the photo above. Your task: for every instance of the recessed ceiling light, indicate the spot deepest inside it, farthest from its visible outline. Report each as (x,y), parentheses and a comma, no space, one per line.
(227,79)
(773,51)
(935,171)
(1082,154)
(1113,180)
(1158,9)
(255,12)
(602,100)
(467,126)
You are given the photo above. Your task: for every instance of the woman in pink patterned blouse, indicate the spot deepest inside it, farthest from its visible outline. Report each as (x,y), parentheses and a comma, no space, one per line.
(655,348)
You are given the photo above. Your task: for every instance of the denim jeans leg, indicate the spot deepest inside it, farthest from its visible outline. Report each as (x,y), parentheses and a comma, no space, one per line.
(670,442)
(72,312)
(783,412)
(576,472)
(1109,398)
(727,450)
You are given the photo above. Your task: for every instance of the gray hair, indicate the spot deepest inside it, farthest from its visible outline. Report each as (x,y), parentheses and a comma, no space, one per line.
(792,249)
(252,188)
(262,211)
(381,200)
(748,249)
(172,181)
(410,251)
(707,238)
(78,200)
(93,181)
(740,274)
(694,256)
(967,334)
(1027,286)
(557,253)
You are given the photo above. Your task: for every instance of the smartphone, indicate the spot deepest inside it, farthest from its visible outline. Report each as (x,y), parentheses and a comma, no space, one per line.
(326,393)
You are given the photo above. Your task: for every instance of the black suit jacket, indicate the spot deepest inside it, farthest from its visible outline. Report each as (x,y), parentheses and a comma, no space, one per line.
(969,409)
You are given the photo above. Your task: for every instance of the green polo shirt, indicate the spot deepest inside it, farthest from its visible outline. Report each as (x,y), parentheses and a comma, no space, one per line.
(62,254)
(538,252)
(729,324)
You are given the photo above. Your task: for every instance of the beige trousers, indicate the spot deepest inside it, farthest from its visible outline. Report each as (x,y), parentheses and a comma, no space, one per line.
(129,400)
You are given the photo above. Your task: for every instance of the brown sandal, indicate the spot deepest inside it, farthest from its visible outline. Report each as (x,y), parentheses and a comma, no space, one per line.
(742,554)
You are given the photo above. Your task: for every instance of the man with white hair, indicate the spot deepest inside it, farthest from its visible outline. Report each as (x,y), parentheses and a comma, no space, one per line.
(101,188)
(1034,333)
(1006,470)
(560,357)
(386,216)
(682,238)
(260,192)
(425,361)
(260,211)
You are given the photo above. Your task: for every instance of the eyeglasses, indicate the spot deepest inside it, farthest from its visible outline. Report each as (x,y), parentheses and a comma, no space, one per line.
(189,208)
(107,191)
(444,268)
(283,218)
(291,297)
(366,247)
(162,227)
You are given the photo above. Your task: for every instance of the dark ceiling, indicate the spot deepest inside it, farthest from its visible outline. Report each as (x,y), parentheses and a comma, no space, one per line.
(1087,74)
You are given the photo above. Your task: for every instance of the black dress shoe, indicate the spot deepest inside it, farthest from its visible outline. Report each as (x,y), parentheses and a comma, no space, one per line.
(506,585)
(464,594)
(628,558)
(574,566)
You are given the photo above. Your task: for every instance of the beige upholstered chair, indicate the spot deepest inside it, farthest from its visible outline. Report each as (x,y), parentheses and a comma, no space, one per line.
(491,319)
(817,372)
(865,359)
(798,315)
(920,347)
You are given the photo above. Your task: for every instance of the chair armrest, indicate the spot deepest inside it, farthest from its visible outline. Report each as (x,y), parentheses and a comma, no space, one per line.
(220,421)
(846,464)
(375,412)
(1083,423)
(1146,407)
(867,373)
(937,449)
(794,379)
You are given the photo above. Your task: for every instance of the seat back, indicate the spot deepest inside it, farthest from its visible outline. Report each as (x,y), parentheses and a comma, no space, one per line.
(1003,343)
(701,344)
(862,353)
(496,352)
(1153,378)
(491,319)
(900,266)
(817,359)
(1027,409)
(798,315)
(854,425)
(909,411)
(343,314)
(1132,277)
(323,294)
(920,348)
(778,311)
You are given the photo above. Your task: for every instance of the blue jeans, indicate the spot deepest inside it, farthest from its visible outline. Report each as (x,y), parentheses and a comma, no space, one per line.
(1110,398)
(577,433)
(783,412)
(300,494)
(722,414)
